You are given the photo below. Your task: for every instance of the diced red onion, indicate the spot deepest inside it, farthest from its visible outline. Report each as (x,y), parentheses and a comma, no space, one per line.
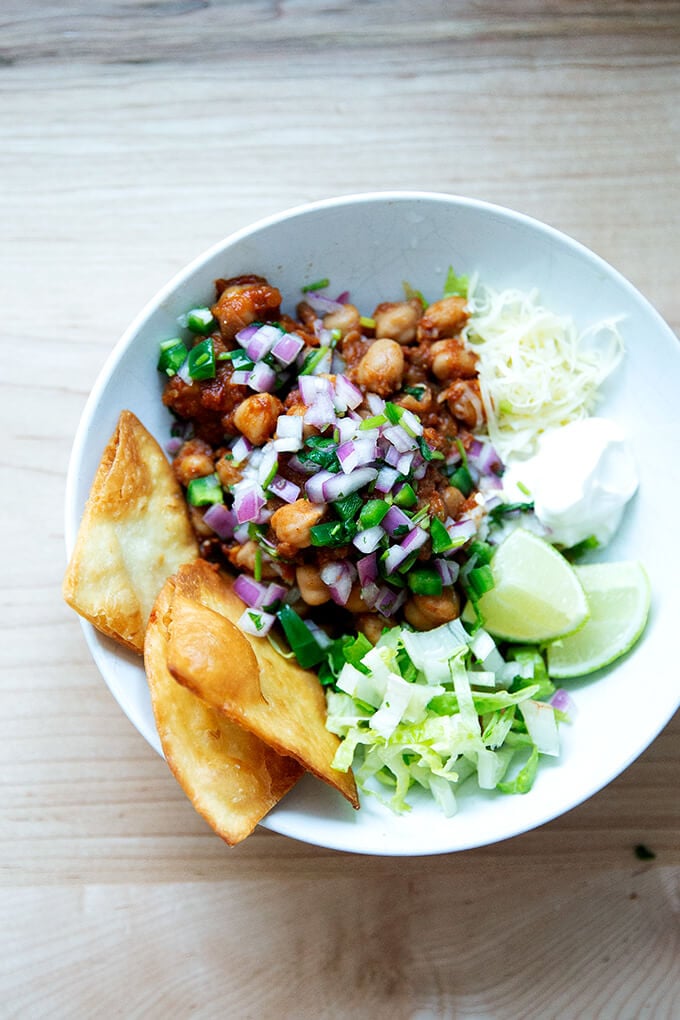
(343,298)
(338,578)
(314,487)
(404,463)
(392,456)
(375,403)
(347,429)
(252,592)
(395,557)
(448,571)
(389,601)
(414,540)
(400,438)
(370,592)
(283,488)
(419,471)
(303,467)
(286,445)
(221,519)
(247,505)
(174,445)
(394,519)
(321,304)
(267,464)
(245,334)
(247,624)
(240,449)
(562,701)
(262,378)
(340,485)
(461,531)
(368,540)
(262,341)
(242,534)
(347,395)
(387,477)
(312,386)
(240,378)
(411,423)
(289,426)
(275,593)
(355,453)
(321,413)
(367,568)
(287,348)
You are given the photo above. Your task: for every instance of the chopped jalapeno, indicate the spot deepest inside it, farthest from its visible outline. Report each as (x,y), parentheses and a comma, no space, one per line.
(200,320)
(424,581)
(202,360)
(172,356)
(204,491)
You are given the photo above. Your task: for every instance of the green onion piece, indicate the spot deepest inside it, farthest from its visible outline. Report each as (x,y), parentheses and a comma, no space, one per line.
(410,293)
(427,452)
(406,496)
(507,508)
(482,550)
(257,570)
(307,649)
(415,391)
(332,534)
(348,508)
(200,320)
(313,359)
(481,580)
(172,356)
(317,285)
(373,423)
(205,491)
(393,412)
(462,479)
(441,540)
(455,285)
(372,513)
(202,360)
(424,581)
(367,322)
(239,359)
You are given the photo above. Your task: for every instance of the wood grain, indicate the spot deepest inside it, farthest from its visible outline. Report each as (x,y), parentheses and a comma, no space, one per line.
(133,136)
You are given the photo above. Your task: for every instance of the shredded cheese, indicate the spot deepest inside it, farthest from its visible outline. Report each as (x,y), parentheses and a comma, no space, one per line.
(536,369)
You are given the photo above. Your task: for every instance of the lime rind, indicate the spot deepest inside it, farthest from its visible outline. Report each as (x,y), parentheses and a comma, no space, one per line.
(619,595)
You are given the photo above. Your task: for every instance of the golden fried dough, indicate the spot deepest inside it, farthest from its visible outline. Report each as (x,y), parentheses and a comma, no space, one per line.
(135,532)
(244,678)
(230,776)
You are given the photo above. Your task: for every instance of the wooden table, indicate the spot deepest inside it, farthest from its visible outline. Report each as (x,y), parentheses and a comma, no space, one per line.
(133,136)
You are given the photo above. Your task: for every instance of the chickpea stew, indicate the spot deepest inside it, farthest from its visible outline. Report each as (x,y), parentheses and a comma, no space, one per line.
(330,458)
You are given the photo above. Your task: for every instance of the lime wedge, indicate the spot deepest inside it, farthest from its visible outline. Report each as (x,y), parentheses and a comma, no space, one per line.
(619,597)
(537,596)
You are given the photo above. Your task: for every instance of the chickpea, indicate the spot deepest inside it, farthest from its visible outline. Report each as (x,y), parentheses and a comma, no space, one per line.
(381,369)
(355,602)
(201,529)
(453,500)
(421,404)
(372,625)
(452,360)
(425,612)
(312,588)
(443,318)
(397,320)
(465,402)
(227,472)
(292,522)
(194,460)
(245,558)
(256,417)
(345,319)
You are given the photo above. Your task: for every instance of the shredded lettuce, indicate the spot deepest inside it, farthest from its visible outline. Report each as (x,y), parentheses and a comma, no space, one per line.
(431,710)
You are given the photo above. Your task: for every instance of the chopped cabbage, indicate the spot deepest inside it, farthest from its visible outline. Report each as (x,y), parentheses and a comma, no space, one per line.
(536,370)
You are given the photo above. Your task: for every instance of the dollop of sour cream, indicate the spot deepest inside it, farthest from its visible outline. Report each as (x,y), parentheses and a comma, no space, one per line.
(580,480)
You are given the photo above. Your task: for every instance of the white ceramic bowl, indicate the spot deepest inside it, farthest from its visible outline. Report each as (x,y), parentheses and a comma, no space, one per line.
(369,244)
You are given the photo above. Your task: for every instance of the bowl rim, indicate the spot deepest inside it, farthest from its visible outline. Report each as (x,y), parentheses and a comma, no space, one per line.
(72,510)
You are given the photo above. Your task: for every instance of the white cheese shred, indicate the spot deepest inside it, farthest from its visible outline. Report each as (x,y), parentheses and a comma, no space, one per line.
(537,371)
